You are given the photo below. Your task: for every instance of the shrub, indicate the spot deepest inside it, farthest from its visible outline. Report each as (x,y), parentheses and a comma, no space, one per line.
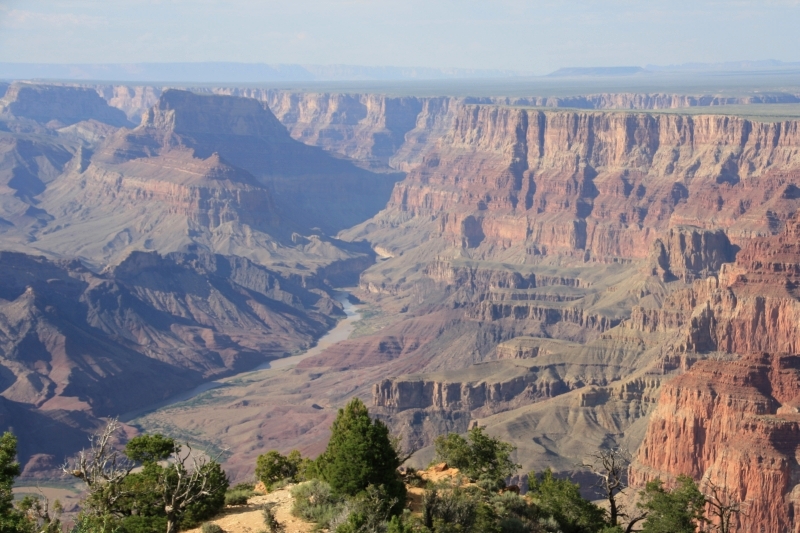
(237,497)
(210,505)
(479,456)
(209,527)
(450,507)
(272,468)
(680,510)
(366,513)
(315,502)
(144,524)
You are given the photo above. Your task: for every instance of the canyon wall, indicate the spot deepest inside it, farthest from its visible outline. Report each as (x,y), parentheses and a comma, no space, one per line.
(607,184)
(733,421)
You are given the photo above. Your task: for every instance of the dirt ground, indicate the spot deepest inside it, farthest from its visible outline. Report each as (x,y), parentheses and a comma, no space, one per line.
(249,519)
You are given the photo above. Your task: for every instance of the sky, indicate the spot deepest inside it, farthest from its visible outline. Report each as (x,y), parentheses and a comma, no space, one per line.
(532,36)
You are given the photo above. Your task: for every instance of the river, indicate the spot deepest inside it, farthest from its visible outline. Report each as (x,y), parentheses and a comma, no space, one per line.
(341,331)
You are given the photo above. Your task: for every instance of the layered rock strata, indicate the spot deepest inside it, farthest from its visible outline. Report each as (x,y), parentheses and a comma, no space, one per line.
(734,423)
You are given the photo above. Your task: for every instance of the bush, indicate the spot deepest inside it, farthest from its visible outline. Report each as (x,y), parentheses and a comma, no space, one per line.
(211,505)
(360,453)
(366,513)
(144,524)
(448,505)
(237,497)
(272,468)
(680,510)
(315,502)
(480,457)
(208,527)
(561,499)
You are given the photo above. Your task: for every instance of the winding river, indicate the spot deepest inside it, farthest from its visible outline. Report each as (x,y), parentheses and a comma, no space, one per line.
(341,331)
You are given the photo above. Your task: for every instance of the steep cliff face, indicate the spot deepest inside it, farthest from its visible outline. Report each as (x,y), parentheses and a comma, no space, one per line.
(369,128)
(216,173)
(602,183)
(733,421)
(689,253)
(133,100)
(734,424)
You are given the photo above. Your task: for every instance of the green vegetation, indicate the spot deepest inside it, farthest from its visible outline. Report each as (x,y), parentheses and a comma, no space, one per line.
(561,500)
(480,457)
(353,487)
(239,494)
(314,501)
(273,468)
(680,510)
(153,486)
(361,453)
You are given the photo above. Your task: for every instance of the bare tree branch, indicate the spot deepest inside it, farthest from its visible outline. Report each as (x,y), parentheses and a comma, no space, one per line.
(102,468)
(722,505)
(611,468)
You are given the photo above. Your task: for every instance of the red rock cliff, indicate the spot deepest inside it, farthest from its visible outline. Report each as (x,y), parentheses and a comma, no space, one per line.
(602,183)
(736,422)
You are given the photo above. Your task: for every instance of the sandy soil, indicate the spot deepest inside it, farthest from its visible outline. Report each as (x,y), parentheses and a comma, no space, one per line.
(249,519)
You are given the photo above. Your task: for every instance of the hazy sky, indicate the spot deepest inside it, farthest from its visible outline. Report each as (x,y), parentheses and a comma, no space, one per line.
(538,36)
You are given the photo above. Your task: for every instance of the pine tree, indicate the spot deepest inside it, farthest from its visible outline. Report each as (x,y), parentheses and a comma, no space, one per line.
(360,453)
(11,519)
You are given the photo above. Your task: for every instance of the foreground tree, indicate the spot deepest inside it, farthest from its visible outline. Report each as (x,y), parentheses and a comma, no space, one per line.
(12,520)
(722,506)
(104,469)
(187,488)
(611,470)
(479,456)
(680,510)
(189,481)
(361,453)
(561,499)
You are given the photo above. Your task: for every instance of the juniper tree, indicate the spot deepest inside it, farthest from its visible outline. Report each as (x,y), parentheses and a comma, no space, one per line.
(361,453)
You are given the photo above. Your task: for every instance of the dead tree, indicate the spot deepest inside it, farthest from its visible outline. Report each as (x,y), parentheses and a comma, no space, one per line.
(722,505)
(611,467)
(611,470)
(186,480)
(103,469)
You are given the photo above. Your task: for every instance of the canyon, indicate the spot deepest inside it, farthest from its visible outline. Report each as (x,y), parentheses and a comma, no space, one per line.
(572,273)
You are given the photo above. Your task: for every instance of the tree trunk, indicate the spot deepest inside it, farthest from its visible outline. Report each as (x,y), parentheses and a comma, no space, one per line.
(612,501)
(172,526)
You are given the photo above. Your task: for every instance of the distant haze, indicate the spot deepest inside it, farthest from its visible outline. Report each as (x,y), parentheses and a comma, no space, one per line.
(478,36)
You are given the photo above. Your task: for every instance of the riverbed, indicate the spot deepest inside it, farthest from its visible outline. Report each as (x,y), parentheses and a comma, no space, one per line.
(341,331)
